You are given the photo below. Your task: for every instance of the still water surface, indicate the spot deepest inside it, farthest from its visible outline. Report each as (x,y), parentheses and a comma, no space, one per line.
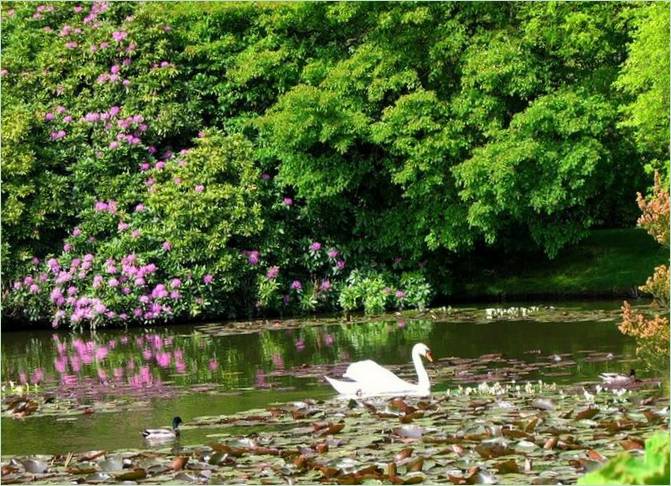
(182,370)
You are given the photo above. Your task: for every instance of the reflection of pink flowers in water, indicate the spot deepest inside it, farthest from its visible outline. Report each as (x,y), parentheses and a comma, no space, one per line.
(101,353)
(278,361)
(300,345)
(75,363)
(163,359)
(37,376)
(213,364)
(260,381)
(401,324)
(328,340)
(60,364)
(69,380)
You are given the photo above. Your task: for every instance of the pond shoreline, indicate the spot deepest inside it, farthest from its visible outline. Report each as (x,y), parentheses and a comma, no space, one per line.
(10,323)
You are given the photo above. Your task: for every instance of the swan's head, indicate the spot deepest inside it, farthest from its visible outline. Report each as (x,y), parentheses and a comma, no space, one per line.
(422,349)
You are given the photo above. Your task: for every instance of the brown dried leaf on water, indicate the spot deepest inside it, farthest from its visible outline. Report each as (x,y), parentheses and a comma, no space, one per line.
(469,477)
(403,454)
(587,413)
(133,475)
(632,443)
(179,462)
(507,467)
(617,425)
(414,465)
(90,455)
(321,447)
(595,456)
(551,443)
(652,417)
(332,428)
(9,469)
(226,449)
(409,417)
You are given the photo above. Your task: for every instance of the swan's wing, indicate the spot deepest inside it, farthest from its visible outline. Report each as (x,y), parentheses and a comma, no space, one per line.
(369,371)
(349,388)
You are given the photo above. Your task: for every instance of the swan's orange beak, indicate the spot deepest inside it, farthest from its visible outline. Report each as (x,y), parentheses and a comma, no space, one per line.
(429,357)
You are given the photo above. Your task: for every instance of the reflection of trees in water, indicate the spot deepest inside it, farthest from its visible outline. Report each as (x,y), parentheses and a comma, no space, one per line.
(141,360)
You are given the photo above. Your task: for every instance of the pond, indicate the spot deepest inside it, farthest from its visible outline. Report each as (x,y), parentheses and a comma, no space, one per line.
(101,389)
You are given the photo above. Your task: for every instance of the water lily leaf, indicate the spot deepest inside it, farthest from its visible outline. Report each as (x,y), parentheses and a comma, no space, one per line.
(409,431)
(489,449)
(188,477)
(98,476)
(543,404)
(414,465)
(111,464)
(134,475)
(34,466)
(80,469)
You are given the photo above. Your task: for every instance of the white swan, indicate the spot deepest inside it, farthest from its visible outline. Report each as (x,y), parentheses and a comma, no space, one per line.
(369,378)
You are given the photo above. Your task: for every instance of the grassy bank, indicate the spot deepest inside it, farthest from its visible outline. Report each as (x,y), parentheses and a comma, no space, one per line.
(611,262)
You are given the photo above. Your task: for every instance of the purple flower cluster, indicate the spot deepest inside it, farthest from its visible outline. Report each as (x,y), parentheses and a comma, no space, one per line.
(273,272)
(109,206)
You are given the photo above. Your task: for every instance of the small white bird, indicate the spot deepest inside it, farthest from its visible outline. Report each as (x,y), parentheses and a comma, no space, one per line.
(163,434)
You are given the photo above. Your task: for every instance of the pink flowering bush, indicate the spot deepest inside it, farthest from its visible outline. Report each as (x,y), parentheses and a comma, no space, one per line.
(130,162)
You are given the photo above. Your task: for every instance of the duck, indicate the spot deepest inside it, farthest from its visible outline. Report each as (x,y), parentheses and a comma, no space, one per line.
(367,378)
(163,434)
(616,379)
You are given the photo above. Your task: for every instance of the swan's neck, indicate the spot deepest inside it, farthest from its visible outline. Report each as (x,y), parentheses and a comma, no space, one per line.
(422,375)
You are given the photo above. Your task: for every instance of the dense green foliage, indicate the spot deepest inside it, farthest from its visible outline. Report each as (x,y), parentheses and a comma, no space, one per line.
(652,468)
(244,157)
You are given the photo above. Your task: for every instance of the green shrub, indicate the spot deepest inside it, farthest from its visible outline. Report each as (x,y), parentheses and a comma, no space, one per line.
(652,468)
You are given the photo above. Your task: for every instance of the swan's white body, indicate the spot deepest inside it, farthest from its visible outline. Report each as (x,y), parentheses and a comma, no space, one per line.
(370,379)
